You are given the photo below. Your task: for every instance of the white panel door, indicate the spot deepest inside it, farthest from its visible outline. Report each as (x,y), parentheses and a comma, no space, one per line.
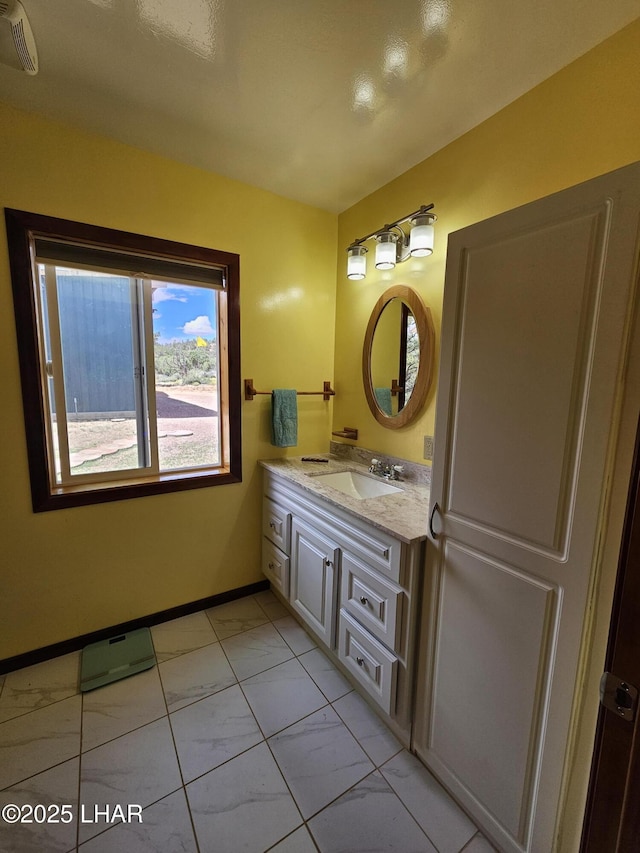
(536,313)
(314,573)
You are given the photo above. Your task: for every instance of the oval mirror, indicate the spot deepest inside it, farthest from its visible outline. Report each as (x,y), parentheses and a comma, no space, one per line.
(397,357)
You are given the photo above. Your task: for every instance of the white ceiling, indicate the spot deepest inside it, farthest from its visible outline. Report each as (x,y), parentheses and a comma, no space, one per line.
(318,100)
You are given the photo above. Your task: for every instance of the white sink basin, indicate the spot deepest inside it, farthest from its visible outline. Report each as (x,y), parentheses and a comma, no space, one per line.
(358,485)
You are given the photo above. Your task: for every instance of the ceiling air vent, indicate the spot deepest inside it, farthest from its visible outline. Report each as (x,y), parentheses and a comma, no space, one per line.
(23,39)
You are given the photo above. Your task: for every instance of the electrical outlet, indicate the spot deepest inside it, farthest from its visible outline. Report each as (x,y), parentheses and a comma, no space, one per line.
(428,448)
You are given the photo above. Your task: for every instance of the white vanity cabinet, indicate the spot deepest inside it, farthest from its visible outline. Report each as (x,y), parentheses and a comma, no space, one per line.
(353,585)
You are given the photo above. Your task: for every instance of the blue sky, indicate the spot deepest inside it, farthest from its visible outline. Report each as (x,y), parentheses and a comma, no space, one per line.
(182,312)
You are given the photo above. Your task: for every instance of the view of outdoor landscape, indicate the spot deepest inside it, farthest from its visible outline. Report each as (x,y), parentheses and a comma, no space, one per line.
(104,392)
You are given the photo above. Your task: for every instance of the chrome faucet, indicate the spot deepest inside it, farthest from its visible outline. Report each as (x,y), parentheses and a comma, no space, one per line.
(383,469)
(376,467)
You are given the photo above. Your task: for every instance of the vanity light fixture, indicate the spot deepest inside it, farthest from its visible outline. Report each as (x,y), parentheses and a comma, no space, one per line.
(356,262)
(386,250)
(394,245)
(421,235)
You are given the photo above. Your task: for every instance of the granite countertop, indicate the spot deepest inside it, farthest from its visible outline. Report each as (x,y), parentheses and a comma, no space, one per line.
(402,514)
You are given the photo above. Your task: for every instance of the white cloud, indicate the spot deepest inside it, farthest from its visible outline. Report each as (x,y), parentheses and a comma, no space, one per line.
(200,326)
(164,294)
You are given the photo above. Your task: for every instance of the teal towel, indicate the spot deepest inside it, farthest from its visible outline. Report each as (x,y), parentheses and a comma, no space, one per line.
(383,398)
(284,417)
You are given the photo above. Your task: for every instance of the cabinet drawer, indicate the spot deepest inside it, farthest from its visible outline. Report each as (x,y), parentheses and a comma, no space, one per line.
(275,565)
(276,524)
(372,599)
(376,548)
(373,666)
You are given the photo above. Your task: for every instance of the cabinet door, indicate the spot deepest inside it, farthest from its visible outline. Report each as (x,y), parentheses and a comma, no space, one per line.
(533,347)
(314,567)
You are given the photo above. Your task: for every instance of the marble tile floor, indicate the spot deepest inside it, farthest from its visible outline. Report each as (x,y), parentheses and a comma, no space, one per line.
(244,737)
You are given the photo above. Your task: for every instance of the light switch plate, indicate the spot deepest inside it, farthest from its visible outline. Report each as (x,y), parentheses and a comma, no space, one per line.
(428,448)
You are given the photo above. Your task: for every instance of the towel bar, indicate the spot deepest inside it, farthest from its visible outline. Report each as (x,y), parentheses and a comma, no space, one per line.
(395,387)
(250,392)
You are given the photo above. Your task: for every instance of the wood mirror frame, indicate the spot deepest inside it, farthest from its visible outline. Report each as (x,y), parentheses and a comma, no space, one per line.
(426,336)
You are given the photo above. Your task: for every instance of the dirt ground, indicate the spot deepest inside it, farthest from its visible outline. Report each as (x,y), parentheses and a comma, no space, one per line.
(186,401)
(187,433)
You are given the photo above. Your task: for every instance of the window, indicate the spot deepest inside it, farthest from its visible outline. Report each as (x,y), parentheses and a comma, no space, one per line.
(409,355)
(129,354)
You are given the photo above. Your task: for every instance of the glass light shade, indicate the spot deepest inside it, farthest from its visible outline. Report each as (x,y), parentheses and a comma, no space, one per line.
(356,263)
(421,236)
(386,251)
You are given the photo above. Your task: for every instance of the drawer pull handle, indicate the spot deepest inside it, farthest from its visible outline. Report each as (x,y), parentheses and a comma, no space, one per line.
(272,566)
(328,563)
(272,525)
(364,599)
(360,661)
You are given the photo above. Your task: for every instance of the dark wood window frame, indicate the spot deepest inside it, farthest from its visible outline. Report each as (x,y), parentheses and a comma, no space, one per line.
(23,229)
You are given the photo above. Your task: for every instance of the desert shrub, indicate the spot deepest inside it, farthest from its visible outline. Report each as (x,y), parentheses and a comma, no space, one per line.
(185,363)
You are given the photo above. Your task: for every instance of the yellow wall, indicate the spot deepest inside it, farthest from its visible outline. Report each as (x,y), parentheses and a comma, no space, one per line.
(582,122)
(72,571)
